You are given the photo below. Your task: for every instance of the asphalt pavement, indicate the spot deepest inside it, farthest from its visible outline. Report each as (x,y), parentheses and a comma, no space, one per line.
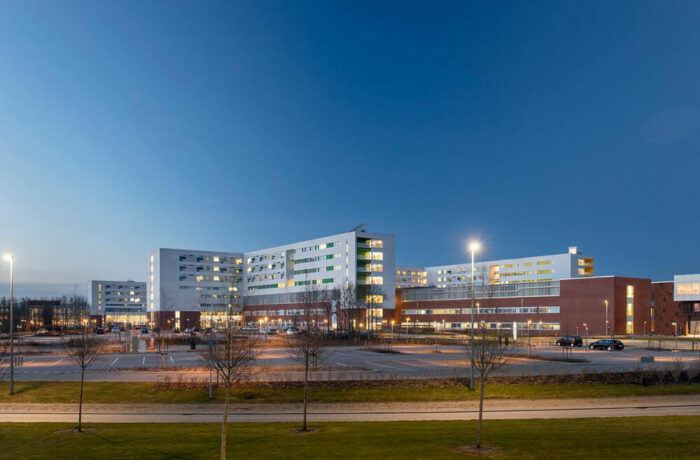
(494,410)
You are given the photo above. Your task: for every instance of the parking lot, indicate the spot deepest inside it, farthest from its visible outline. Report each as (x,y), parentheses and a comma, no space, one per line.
(352,362)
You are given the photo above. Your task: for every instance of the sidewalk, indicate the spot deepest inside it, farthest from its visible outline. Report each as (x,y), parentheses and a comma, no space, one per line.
(462,410)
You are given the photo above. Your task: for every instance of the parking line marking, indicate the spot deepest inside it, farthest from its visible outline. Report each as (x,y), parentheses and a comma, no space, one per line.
(172,360)
(143,361)
(383,365)
(115,361)
(409,364)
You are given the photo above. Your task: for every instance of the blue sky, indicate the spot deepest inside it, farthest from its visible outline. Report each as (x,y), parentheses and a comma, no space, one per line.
(533,126)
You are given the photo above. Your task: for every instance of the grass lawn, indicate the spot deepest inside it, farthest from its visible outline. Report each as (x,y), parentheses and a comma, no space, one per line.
(643,437)
(129,392)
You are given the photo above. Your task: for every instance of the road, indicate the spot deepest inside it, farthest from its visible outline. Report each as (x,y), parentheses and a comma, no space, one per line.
(494,410)
(347,362)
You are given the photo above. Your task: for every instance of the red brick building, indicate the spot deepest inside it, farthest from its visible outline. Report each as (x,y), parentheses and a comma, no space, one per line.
(568,306)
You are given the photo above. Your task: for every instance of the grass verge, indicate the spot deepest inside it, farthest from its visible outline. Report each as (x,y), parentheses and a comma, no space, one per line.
(146,392)
(642,437)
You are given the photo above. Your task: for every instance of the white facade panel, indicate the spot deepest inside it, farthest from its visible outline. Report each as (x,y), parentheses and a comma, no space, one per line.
(686,288)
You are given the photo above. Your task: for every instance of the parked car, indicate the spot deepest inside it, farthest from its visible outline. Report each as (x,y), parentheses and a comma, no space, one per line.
(41,331)
(99,330)
(607,344)
(115,330)
(189,330)
(144,331)
(570,341)
(292,331)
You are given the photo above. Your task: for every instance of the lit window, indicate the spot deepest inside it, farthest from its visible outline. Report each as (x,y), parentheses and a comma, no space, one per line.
(630,292)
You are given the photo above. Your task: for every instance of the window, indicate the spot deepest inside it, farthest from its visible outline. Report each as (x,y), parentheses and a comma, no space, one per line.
(630,292)
(630,309)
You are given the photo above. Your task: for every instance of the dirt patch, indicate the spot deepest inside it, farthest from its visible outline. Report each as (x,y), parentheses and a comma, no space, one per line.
(75,431)
(483,451)
(300,431)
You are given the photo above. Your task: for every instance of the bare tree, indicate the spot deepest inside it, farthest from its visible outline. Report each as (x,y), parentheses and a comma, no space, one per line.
(346,305)
(4,358)
(83,348)
(488,356)
(309,346)
(233,356)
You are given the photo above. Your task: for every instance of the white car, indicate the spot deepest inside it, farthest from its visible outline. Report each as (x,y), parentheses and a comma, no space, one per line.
(292,331)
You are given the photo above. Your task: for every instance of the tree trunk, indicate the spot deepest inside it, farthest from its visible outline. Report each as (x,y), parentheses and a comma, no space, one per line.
(80,401)
(481,412)
(306,384)
(225,422)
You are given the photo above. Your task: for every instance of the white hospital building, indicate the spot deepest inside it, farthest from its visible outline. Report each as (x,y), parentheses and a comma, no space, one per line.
(188,286)
(572,264)
(118,301)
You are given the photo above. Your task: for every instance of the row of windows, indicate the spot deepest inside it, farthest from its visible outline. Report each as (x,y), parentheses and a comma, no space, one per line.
(496,326)
(215,259)
(370,255)
(209,288)
(687,288)
(328,268)
(316,259)
(317,247)
(482,311)
(208,268)
(309,282)
(288,312)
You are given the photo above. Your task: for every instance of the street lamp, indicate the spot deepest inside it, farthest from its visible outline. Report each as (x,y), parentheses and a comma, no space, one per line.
(675,333)
(529,323)
(473,247)
(11,259)
(607,327)
(645,328)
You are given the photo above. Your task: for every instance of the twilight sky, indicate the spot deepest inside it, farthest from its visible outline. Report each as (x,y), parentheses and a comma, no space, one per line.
(533,126)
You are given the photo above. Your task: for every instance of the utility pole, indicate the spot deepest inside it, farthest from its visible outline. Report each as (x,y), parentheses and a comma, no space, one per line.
(10,258)
(473,247)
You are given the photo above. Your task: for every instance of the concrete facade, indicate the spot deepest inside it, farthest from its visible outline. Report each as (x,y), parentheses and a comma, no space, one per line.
(118,301)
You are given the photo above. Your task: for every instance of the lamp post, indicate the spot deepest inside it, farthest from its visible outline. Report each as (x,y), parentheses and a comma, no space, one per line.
(675,333)
(607,327)
(645,328)
(529,323)
(10,258)
(473,247)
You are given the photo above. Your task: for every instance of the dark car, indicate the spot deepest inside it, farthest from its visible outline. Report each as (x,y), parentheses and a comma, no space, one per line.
(99,330)
(607,344)
(570,341)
